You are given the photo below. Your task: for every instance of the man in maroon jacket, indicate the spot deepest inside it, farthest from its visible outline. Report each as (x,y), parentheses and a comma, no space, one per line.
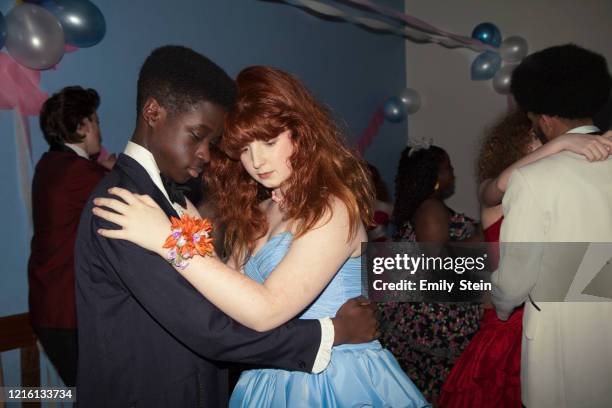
(63,179)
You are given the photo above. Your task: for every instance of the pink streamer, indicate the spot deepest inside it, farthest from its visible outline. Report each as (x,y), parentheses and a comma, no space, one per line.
(371,131)
(20,87)
(70,48)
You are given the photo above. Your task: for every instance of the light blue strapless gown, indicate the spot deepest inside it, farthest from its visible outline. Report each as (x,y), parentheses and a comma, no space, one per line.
(359,375)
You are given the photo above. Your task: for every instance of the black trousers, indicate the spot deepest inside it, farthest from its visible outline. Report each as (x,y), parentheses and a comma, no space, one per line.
(62,349)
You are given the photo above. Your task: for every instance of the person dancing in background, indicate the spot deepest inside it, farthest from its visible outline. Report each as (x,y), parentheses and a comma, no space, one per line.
(487,374)
(298,247)
(63,179)
(427,337)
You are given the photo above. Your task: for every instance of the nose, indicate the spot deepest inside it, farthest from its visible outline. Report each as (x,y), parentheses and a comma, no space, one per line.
(203,152)
(257,157)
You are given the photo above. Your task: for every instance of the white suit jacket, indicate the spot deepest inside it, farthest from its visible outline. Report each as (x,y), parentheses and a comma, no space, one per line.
(567,347)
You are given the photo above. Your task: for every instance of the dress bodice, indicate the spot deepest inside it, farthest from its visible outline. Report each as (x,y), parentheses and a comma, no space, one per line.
(346,283)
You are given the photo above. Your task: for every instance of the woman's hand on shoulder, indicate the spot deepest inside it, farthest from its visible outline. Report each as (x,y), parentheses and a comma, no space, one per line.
(592,147)
(142,221)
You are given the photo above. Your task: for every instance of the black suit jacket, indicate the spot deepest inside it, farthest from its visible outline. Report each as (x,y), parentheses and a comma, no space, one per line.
(146,336)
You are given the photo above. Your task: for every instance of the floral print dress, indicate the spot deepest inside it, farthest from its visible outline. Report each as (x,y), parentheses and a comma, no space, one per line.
(427,338)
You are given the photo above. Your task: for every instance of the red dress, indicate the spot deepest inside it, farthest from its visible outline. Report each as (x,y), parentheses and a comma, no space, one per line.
(487,374)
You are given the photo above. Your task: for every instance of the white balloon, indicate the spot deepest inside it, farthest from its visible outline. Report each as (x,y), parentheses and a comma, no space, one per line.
(513,49)
(34,37)
(502,79)
(411,100)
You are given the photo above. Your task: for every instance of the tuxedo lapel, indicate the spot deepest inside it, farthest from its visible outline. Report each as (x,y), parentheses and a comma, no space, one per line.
(133,170)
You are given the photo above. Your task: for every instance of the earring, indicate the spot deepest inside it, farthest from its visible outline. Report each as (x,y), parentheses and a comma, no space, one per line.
(437,186)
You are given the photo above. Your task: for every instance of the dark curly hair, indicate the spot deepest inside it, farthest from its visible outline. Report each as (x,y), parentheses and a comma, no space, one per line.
(61,114)
(179,78)
(415,181)
(566,81)
(504,142)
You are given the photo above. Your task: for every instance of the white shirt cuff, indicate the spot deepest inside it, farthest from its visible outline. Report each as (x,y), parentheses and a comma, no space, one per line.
(325,349)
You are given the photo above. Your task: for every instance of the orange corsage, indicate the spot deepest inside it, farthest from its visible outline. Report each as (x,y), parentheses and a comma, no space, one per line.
(190,236)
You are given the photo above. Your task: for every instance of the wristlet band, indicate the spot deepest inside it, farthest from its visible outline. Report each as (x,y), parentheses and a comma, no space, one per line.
(190,236)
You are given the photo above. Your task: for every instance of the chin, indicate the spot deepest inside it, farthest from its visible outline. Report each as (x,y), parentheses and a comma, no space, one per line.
(269,186)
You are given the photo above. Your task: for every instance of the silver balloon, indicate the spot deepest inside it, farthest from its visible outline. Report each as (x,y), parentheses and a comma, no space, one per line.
(502,79)
(411,99)
(34,36)
(513,49)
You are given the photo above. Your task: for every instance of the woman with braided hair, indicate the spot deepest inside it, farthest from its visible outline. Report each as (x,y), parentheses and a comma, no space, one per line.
(426,338)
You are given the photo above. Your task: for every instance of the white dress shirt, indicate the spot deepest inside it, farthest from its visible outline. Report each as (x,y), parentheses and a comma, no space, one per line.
(78,150)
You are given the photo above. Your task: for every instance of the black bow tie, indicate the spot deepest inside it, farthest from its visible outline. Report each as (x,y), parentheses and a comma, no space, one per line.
(176,192)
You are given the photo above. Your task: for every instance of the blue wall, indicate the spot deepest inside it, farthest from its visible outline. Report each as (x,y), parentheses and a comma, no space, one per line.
(349,69)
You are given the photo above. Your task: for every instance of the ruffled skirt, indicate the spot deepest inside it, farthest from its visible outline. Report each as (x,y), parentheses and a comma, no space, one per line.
(360,375)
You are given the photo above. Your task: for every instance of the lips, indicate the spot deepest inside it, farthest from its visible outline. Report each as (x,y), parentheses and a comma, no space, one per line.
(265,175)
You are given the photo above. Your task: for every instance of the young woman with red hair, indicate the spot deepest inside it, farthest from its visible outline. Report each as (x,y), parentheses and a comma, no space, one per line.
(295,202)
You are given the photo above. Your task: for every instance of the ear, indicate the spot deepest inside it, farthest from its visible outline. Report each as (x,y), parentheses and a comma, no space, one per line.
(153,112)
(547,123)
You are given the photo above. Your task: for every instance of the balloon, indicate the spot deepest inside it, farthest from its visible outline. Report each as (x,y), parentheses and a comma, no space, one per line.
(83,22)
(2,30)
(394,110)
(514,49)
(411,100)
(501,80)
(485,66)
(34,36)
(488,33)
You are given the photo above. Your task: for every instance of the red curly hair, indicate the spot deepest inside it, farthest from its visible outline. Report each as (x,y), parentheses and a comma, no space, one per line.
(270,102)
(506,141)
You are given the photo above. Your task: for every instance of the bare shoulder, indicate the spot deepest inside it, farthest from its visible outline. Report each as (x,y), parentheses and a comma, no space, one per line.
(339,218)
(431,208)
(336,214)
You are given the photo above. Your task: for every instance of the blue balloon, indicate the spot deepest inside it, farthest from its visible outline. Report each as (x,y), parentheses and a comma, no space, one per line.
(2,30)
(83,22)
(394,110)
(488,33)
(485,66)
